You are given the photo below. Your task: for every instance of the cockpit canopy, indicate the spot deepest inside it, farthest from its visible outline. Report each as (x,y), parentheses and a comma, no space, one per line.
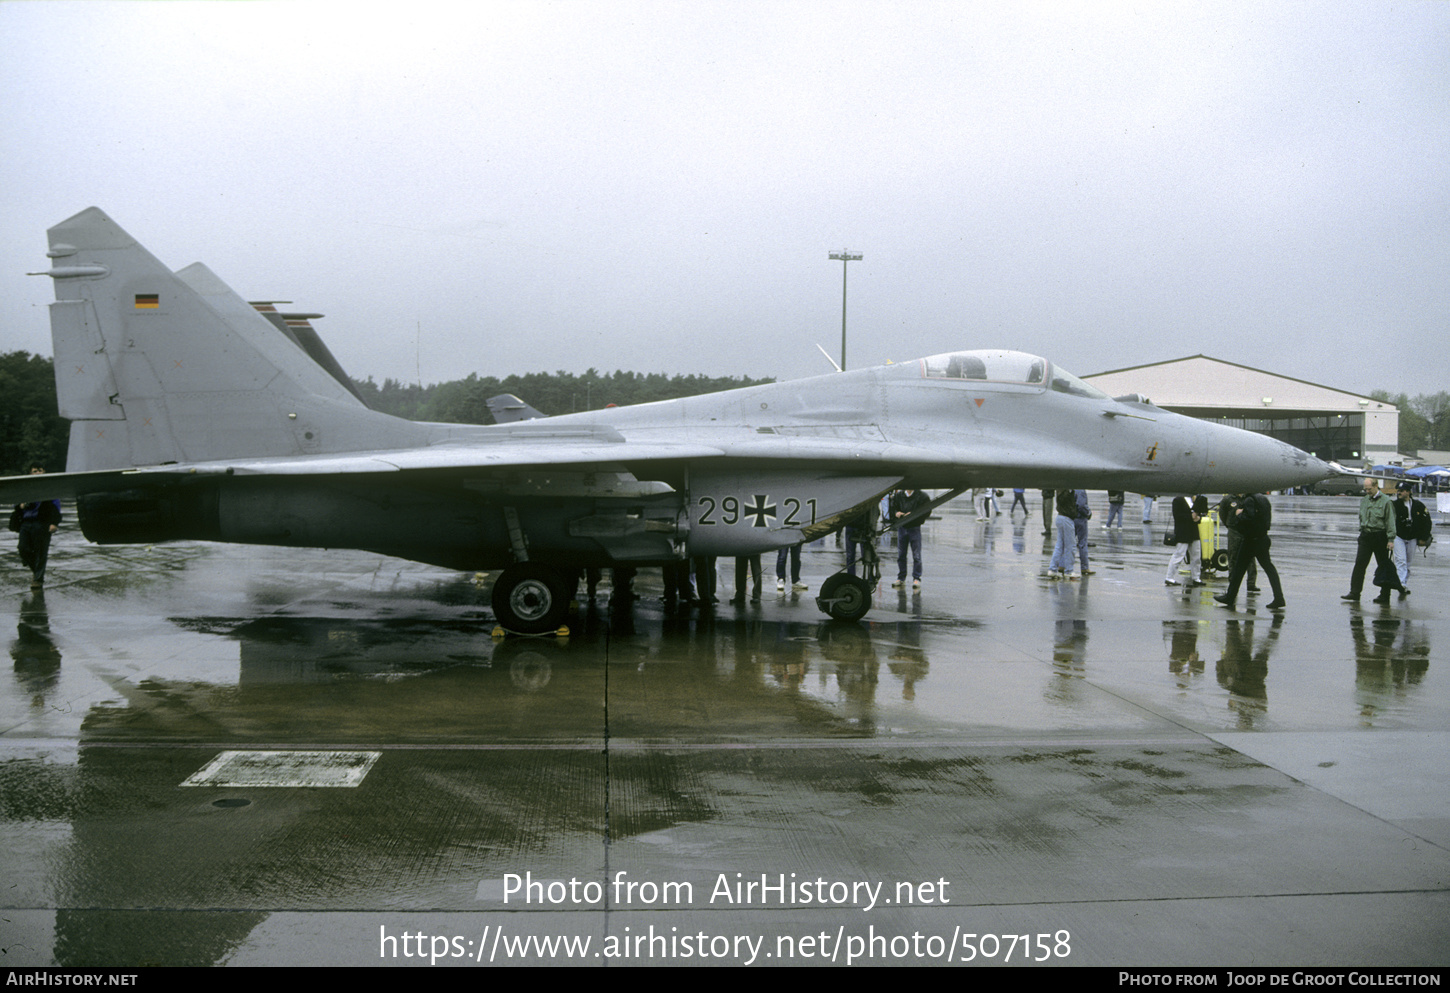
(1016,368)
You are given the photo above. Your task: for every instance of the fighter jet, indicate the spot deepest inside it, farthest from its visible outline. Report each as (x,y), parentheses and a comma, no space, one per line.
(194,417)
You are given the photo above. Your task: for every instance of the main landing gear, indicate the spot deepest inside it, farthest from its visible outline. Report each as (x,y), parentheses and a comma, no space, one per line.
(529,598)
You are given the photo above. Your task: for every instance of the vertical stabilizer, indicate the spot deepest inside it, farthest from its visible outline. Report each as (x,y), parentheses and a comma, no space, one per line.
(154,367)
(297,328)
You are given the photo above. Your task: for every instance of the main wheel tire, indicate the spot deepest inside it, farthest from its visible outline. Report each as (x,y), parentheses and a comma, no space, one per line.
(530,599)
(845,597)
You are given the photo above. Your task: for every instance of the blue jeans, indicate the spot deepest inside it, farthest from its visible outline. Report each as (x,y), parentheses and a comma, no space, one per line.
(908,537)
(794,553)
(1066,543)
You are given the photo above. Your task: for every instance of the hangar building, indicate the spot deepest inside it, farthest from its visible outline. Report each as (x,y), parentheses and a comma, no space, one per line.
(1332,424)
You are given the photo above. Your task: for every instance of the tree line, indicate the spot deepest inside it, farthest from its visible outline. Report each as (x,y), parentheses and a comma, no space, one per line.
(32,431)
(1424,419)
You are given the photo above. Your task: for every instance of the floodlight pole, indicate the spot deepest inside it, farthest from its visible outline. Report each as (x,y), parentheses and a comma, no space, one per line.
(845,255)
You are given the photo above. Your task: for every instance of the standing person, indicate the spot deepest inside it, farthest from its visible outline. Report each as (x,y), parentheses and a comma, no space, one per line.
(1148,499)
(1048,497)
(36,522)
(1185,538)
(1200,507)
(705,578)
(1412,527)
(1019,497)
(742,563)
(1252,516)
(1079,527)
(1060,566)
(1376,539)
(1116,498)
(858,532)
(792,552)
(903,504)
(621,578)
(677,583)
(1228,509)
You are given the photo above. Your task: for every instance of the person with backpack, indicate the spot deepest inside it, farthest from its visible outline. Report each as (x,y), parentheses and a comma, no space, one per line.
(1227,508)
(1253,516)
(1412,527)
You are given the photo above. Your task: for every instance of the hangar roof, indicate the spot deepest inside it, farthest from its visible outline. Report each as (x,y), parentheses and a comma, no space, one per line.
(1204,382)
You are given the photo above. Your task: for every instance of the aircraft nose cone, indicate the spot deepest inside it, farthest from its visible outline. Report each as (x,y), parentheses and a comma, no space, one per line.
(1249,462)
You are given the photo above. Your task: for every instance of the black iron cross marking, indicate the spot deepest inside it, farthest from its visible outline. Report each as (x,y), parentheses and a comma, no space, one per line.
(760,510)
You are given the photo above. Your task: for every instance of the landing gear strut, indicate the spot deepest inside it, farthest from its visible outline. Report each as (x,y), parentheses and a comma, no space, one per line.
(846,597)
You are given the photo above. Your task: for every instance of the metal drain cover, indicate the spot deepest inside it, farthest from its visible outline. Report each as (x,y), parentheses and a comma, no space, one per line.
(241,769)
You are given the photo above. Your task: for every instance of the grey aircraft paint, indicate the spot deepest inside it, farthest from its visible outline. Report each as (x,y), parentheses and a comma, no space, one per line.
(194,418)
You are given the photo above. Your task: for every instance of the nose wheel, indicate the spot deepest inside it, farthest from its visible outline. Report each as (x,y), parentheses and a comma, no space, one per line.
(530,599)
(845,597)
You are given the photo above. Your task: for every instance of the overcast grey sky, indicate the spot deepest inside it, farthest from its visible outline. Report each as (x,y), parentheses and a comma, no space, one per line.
(521,186)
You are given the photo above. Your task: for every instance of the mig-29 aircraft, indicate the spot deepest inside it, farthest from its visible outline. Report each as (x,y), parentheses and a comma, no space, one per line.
(195,417)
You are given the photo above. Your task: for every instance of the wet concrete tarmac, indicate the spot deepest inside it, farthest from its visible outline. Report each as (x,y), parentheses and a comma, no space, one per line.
(999,768)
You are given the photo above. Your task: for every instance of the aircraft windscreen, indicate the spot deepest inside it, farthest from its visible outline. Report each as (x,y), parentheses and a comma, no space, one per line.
(1065,382)
(996,367)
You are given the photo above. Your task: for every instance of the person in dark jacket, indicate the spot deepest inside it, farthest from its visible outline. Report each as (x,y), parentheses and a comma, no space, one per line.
(1227,512)
(1060,565)
(1412,527)
(36,522)
(903,504)
(859,531)
(1252,516)
(1116,499)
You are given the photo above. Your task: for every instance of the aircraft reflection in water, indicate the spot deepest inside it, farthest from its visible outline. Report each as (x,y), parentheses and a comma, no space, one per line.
(195,416)
(124,838)
(822,678)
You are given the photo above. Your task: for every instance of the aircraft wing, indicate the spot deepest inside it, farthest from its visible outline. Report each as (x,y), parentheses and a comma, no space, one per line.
(854,455)
(68,485)
(441,457)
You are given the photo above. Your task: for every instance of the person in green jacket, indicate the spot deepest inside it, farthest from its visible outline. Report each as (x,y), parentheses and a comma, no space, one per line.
(1377,539)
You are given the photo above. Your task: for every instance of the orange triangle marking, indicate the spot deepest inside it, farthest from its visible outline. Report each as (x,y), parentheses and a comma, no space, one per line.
(980,400)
